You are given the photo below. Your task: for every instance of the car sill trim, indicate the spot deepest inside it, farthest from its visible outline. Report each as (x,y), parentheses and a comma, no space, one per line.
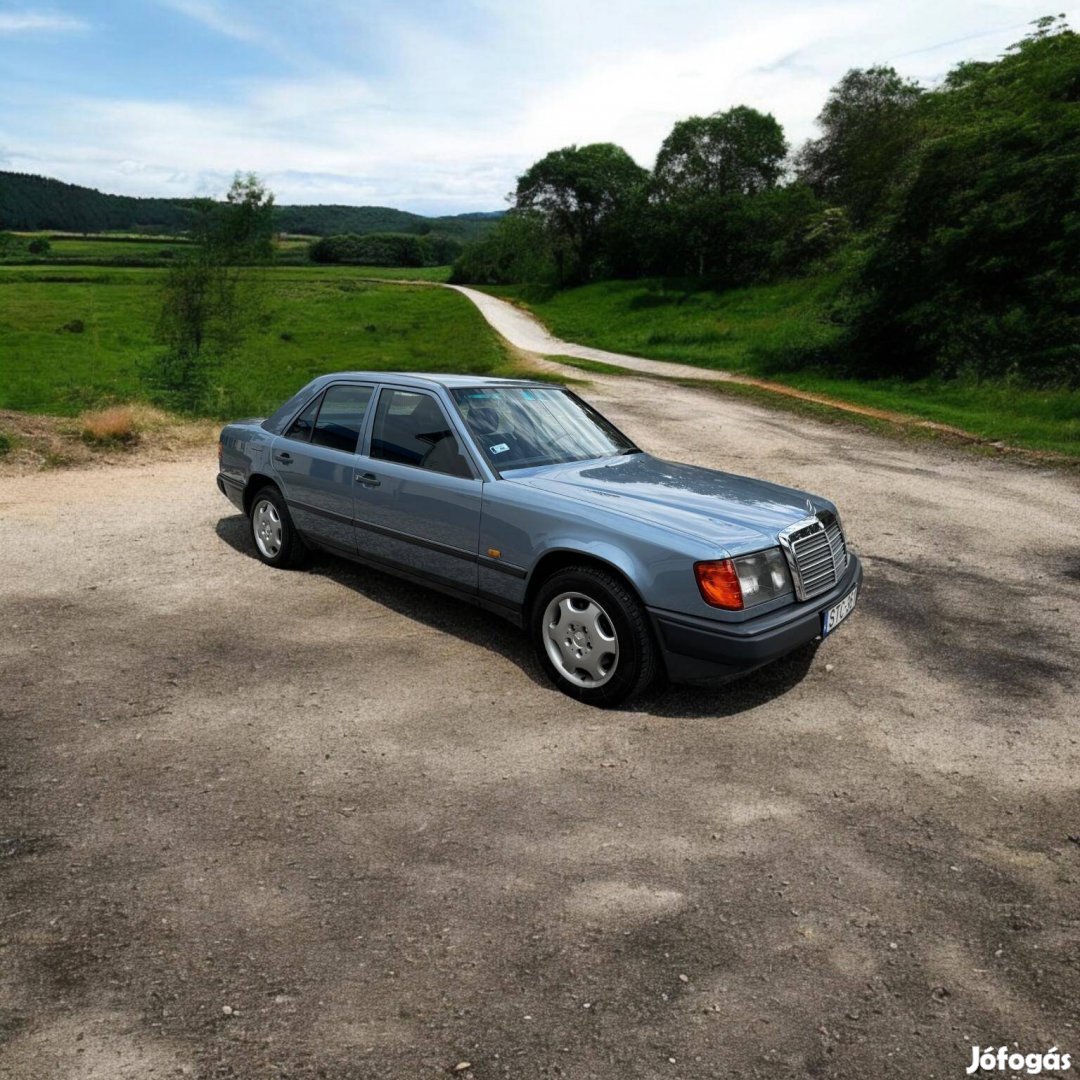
(409,538)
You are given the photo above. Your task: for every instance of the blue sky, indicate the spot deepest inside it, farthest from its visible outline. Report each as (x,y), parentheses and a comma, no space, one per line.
(428,106)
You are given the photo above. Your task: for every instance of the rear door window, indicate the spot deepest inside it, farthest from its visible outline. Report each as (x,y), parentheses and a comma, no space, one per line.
(341,418)
(302,426)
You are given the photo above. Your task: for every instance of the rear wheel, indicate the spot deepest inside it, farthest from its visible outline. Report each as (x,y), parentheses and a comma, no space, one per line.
(277,542)
(592,636)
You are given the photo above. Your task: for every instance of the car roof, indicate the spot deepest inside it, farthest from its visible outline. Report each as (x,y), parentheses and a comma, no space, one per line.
(414,378)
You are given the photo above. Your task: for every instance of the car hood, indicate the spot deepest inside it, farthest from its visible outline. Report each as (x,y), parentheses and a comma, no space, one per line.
(737,513)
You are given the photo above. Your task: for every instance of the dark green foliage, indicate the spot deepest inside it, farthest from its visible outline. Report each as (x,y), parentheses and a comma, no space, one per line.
(734,239)
(386,249)
(738,152)
(978,269)
(869,127)
(579,192)
(29,203)
(363,220)
(11,246)
(39,246)
(518,249)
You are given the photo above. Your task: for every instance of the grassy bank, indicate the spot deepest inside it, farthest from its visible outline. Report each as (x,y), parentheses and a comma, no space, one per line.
(744,330)
(73,338)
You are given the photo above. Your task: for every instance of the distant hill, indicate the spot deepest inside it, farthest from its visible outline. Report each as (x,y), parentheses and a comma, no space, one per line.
(29,202)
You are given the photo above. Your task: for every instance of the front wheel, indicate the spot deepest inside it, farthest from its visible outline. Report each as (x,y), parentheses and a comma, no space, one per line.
(277,542)
(592,636)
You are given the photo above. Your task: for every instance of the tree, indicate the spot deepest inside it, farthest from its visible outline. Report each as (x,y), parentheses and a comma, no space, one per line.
(977,270)
(578,191)
(211,295)
(517,251)
(240,230)
(708,172)
(738,152)
(869,126)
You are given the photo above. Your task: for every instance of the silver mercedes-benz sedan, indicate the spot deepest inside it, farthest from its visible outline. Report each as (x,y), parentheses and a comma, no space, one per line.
(520,497)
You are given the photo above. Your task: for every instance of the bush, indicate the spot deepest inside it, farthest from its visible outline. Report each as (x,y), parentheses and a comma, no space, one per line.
(6,443)
(39,246)
(517,250)
(385,249)
(110,427)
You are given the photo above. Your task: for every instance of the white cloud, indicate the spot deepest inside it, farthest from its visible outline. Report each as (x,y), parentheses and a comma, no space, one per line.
(220,19)
(450,113)
(21,22)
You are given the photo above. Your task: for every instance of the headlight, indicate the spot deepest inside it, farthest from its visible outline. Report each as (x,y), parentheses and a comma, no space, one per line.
(746,581)
(763,576)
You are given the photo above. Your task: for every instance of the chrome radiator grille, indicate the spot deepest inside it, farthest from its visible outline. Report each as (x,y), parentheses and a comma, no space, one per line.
(816,553)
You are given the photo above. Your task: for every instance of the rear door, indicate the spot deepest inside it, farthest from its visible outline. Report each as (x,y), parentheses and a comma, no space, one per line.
(418,494)
(315,461)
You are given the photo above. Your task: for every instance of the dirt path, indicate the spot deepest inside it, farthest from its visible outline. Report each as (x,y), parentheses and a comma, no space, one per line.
(352,813)
(524,331)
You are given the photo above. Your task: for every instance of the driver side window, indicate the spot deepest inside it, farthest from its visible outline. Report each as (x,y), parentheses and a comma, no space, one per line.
(412,429)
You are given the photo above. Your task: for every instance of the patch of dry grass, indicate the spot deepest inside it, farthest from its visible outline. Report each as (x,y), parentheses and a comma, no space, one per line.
(50,442)
(115,425)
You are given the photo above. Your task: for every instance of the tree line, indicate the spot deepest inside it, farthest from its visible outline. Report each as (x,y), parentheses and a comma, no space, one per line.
(950,215)
(30,203)
(386,249)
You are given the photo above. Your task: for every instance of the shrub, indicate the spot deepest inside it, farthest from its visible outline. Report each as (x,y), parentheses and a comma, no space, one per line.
(517,250)
(39,246)
(110,427)
(76,326)
(385,249)
(6,443)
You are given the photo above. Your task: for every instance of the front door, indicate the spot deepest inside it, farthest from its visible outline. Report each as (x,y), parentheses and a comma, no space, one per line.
(417,495)
(315,461)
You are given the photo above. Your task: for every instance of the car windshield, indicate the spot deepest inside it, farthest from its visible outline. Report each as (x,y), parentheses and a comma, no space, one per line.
(519,427)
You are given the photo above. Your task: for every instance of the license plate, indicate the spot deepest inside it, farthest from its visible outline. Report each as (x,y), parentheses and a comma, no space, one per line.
(838,612)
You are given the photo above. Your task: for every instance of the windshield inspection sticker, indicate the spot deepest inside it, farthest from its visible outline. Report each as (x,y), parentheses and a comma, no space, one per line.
(499,448)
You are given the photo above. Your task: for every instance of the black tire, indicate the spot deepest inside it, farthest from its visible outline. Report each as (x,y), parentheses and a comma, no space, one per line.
(621,615)
(280,544)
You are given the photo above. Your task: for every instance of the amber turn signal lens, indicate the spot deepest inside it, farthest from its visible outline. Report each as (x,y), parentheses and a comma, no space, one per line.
(719,584)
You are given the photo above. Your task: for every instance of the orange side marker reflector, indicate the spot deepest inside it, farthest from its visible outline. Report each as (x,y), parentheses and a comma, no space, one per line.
(494,553)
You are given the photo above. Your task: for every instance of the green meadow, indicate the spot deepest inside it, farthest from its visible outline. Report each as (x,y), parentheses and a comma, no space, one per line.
(73,338)
(748,330)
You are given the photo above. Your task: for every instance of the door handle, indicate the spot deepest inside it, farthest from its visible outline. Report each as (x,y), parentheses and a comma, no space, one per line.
(285,458)
(368,479)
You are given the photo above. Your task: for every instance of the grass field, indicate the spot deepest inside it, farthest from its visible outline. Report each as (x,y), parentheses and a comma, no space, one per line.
(122,249)
(76,338)
(739,329)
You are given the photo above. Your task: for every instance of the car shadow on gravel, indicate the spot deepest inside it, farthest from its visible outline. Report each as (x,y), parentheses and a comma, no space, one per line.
(480,628)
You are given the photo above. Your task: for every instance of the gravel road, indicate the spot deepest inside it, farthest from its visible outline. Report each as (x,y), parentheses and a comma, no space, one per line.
(524,331)
(325,824)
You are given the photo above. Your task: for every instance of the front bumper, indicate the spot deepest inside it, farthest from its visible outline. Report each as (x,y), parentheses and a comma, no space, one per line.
(698,650)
